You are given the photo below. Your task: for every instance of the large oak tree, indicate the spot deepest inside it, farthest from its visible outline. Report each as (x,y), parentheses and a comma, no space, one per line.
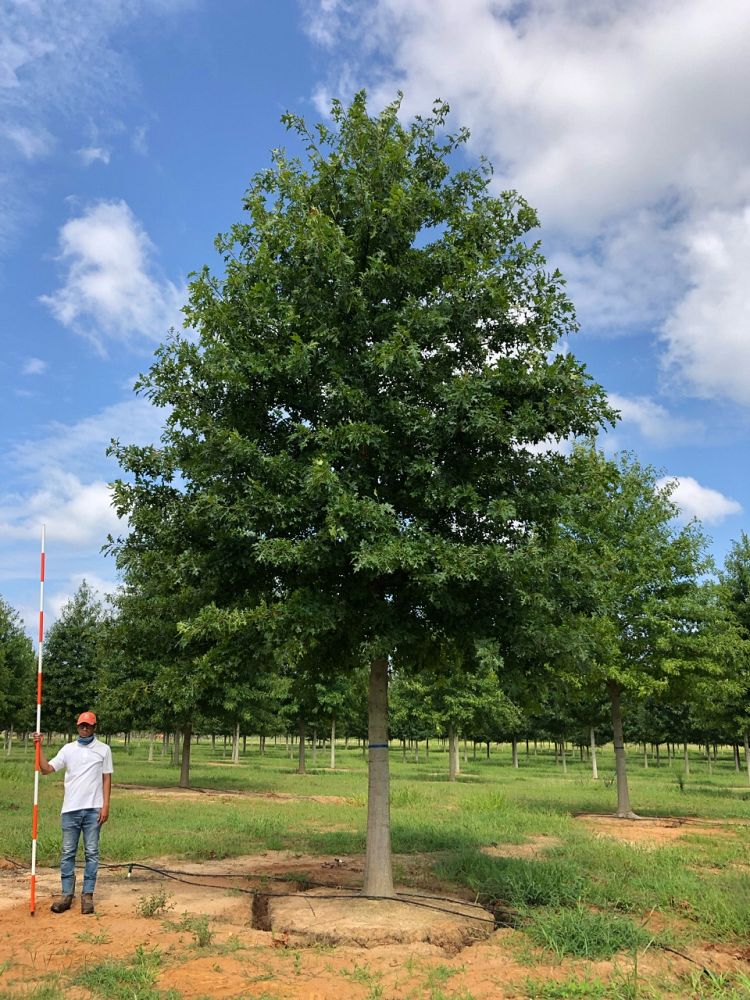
(352,425)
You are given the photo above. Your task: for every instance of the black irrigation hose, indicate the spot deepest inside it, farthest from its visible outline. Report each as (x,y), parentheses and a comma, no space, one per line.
(180,877)
(289,877)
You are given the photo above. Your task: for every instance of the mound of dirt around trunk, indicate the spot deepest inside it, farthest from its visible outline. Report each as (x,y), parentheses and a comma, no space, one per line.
(348,918)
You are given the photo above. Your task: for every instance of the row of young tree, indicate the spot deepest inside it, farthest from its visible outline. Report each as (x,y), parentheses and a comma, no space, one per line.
(89,663)
(355,473)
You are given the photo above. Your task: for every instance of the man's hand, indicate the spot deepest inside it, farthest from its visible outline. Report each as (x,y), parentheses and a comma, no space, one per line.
(103,816)
(43,765)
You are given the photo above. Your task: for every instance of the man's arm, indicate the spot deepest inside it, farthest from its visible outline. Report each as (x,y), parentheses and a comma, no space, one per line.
(106,789)
(44,765)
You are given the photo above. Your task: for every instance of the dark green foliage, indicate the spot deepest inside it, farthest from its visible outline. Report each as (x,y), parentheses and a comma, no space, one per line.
(345,467)
(17,696)
(73,654)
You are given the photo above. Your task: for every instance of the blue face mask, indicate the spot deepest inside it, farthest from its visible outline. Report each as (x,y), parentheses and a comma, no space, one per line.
(85,740)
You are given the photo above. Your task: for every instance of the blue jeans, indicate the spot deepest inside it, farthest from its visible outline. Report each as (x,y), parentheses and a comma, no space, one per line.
(86,822)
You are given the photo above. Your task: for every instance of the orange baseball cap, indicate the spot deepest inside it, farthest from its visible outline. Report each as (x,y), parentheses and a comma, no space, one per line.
(87,717)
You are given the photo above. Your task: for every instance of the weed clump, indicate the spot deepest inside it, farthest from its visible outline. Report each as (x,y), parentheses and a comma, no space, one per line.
(155,905)
(580,933)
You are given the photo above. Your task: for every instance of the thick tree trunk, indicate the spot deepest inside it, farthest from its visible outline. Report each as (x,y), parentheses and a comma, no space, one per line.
(624,810)
(301,758)
(378,878)
(185,763)
(453,766)
(333,743)
(594,768)
(514,747)
(427,748)
(488,749)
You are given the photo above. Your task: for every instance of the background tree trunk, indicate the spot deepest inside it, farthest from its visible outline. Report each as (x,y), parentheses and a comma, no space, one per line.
(453,766)
(621,767)
(333,743)
(185,763)
(378,879)
(236,743)
(301,758)
(594,768)
(514,746)
(686,758)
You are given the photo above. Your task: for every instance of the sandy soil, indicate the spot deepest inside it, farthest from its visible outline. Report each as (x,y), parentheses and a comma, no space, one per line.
(655,832)
(299,959)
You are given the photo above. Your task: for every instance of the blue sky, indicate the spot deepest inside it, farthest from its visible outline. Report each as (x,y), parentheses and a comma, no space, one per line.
(129,130)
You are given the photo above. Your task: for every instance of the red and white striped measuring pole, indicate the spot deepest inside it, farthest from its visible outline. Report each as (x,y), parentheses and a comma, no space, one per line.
(37,745)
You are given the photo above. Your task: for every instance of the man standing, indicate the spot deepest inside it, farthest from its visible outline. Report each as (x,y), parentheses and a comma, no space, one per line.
(88,783)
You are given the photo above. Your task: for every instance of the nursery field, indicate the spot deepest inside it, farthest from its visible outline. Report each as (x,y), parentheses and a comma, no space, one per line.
(576,903)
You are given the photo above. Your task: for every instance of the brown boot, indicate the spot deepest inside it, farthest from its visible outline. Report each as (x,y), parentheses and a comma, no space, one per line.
(62,903)
(87,902)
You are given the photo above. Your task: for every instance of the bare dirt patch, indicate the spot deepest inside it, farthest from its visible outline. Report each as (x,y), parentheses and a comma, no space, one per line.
(314,917)
(195,794)
(654,832)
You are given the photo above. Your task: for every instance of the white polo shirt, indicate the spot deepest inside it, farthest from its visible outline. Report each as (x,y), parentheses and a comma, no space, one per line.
(84,767)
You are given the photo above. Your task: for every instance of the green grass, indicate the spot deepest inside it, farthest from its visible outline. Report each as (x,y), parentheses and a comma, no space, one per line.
(581,933)
(129,980)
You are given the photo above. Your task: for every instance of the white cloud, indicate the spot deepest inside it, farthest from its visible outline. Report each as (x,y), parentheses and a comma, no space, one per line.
(81,447)
(75,513)
(90,154)
(702,502)
(139,141)
(31,144)
(654,421)
(707,334)
(34,366)
(622,122)
(110,290)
